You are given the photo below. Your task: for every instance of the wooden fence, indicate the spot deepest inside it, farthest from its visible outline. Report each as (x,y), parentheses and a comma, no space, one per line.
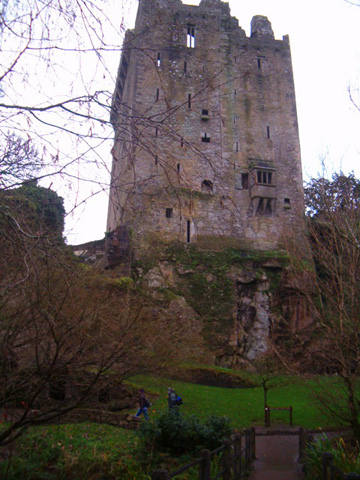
(329,471)
(236,454)
(268,410)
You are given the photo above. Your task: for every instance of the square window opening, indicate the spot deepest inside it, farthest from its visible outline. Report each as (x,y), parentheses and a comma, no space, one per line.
(205,138)
(169,213)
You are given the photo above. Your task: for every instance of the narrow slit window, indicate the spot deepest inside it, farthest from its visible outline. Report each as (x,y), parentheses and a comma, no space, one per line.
(157,94)
(185,67)
(189,100)
(205,138)
(259,63)
(235,93)
(181,142)
(236,147)
(169,213)
(188,231)
(178,168)
(156,132)
(159,60)
(156,159)
(268,131)
(190,41)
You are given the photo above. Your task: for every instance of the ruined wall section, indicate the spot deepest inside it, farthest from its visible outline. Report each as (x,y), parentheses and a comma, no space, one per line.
(206,137)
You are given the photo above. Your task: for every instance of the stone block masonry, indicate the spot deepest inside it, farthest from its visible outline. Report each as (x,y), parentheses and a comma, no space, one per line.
(206,132)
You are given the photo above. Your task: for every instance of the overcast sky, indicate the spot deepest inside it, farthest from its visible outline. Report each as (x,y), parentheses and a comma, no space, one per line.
(325,46)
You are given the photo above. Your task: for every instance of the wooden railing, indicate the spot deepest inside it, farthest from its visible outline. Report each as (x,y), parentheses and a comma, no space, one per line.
(237,454)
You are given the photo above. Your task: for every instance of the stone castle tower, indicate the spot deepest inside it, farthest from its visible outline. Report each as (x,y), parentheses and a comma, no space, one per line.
(206,134)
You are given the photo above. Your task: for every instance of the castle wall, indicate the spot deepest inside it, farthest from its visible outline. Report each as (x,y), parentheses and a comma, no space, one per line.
(206,134)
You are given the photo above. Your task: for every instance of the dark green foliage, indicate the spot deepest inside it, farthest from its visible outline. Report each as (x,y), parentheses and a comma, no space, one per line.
(346,458)
(38,210)
(46,207)
(323,196)
(173,433)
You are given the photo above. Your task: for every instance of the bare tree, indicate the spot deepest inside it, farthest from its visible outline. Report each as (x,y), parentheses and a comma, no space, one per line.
(334,295)
(64,325)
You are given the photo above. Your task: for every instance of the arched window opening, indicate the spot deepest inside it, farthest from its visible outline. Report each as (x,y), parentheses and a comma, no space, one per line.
(207,186)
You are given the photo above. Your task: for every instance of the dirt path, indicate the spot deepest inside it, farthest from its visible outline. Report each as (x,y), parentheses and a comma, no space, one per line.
(276,458)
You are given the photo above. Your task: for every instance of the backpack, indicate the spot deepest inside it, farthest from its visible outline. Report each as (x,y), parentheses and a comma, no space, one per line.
(178,400)
(147,403)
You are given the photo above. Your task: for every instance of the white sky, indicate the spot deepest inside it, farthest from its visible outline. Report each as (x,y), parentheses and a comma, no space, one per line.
(325,46)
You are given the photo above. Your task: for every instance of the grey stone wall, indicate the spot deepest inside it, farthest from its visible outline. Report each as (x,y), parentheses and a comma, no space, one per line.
(206,132)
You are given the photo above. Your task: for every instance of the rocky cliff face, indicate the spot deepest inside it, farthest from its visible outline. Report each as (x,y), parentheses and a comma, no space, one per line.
(242,301)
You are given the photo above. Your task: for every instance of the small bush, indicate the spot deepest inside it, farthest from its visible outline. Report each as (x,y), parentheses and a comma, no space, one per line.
(176,434)
(345,458)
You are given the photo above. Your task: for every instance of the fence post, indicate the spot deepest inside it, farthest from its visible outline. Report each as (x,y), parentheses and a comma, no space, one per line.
(205,465)
(253,443)
(326,460)
(266,415)
(247,449)
(302,444)
(160,475)
(237,456)
(227,460)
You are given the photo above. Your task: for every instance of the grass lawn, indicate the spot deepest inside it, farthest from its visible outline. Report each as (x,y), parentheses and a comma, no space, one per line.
(92,451)
(244,407)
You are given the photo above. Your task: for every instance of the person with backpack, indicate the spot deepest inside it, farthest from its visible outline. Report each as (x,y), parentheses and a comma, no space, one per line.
(174,400)
(144,404)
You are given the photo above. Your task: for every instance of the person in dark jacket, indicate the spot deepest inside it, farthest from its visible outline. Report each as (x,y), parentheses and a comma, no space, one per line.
(144,404)
(173,399)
